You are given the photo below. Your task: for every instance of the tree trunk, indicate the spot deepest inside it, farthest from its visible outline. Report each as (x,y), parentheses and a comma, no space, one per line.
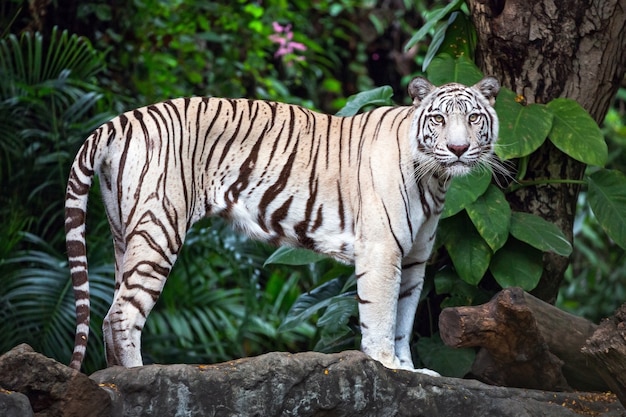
(544,49)
(525,343)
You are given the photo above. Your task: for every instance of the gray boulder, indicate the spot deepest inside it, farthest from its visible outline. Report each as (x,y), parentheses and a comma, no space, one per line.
(275,384)
(315,384)
(53,389)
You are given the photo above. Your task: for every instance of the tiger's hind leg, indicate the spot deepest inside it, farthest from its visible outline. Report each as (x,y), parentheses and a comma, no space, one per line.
(107,332)
(147,261)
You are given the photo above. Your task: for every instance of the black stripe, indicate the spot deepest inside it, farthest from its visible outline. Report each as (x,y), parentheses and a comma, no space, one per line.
(412,264)
(392,232)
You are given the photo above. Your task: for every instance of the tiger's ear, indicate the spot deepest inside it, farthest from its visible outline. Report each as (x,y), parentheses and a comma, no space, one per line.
(419,87)
(489,88)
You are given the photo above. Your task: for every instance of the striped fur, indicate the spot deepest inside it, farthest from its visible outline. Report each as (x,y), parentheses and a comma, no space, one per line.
(367,189)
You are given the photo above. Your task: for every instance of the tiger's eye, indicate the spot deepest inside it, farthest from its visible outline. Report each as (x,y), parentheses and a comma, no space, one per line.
(473,117)
(438,118)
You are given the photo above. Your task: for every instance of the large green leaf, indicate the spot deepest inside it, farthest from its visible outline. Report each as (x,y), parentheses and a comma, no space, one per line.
(460,36)
(339,311)
(523,129)
(448,361)
(37,303)
(432,20)
(455,37)
(517,265)
(445,69)
(469,252)
(607,198)
(293,256)
(464,191)
(457,291)
(311,303)
(575,133)
(491,214)
(539,233)
(380,96)
(333,324)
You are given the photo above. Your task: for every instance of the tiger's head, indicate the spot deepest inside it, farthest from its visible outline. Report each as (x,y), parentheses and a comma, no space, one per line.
(455,126)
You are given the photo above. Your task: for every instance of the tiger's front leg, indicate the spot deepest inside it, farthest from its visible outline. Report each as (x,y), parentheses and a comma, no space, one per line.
(408,300)
(389,289)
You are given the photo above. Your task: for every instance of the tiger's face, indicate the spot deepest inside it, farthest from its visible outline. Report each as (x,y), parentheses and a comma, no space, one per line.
(455,126)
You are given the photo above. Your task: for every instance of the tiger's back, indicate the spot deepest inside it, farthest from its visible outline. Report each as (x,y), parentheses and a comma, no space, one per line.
(342,186)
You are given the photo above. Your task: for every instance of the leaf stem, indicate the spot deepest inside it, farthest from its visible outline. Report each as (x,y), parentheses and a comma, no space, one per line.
(521,183)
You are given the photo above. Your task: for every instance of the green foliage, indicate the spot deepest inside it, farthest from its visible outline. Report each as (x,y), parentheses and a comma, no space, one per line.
(380,96)
(448,361)
(594,282)
(576,134)
(463,191)
(332,306)
(539,233)
(607,198)
(435,18)
(523,129)
(47,106)
(469,252)
(293,256)
(491,215)
(37,302)
(448,69)
(269,50)
(220,303)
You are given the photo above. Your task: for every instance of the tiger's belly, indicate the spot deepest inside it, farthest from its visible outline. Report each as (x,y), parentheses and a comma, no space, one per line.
(328,235)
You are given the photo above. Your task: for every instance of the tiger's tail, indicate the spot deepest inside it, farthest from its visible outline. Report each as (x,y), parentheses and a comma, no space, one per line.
(77,195)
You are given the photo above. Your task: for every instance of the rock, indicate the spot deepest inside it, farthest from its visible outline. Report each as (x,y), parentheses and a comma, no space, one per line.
(53,389)
(315,384)
(14,404)
(275,384)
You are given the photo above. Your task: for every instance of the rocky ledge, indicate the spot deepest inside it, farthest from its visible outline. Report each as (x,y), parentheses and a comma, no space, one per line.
(275,384)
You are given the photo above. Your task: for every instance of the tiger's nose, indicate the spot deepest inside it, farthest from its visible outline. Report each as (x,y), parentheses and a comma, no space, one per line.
(458,150)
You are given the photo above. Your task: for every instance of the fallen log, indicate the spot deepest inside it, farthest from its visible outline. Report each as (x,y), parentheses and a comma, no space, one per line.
(606,349)
(525,343)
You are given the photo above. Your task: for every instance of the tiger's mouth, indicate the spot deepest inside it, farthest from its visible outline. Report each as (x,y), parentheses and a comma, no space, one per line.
(458,167)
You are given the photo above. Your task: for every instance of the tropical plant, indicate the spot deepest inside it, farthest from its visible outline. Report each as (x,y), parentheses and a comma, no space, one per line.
(594,283)
(48,105)
(220,303)
(37,302)
(233,49)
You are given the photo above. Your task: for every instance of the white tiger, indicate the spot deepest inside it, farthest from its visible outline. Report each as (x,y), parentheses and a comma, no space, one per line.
(367,189)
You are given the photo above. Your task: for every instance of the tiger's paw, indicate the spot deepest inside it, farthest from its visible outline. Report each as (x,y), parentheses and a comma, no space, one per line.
(396,363)
(424,371)
(427,371)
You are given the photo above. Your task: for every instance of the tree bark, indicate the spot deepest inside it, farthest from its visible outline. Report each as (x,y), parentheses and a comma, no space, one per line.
(607,350)
(544,49)
(525,343)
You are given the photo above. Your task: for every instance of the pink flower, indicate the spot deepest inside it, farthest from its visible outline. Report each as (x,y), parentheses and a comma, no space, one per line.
(283,37)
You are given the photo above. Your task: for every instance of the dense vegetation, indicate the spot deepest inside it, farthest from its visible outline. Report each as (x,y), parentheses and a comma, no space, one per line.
(230,297)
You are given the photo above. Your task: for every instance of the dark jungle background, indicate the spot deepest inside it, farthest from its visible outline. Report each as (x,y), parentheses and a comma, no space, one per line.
(68,66)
